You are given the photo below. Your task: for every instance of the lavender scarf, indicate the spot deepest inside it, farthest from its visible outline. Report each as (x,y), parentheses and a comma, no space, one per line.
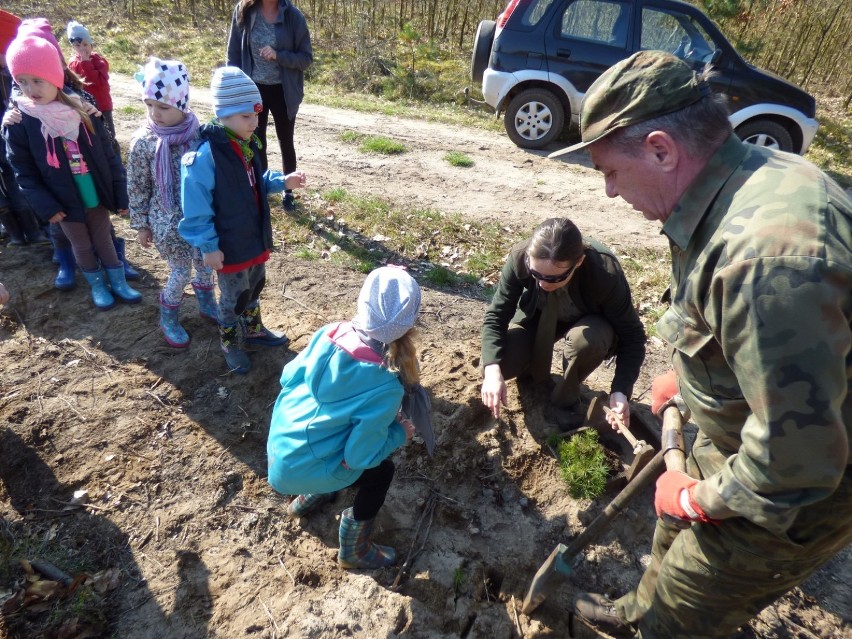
(179,135)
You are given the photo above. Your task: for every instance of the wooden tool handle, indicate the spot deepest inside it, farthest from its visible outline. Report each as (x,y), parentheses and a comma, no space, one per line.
(619,422)
(672,440)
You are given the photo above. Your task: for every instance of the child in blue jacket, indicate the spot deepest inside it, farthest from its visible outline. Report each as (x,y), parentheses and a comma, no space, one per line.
(338,419)
(226,212)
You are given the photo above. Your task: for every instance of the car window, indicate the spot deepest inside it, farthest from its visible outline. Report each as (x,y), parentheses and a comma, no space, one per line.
(675,33)
(535,12)
(599,21)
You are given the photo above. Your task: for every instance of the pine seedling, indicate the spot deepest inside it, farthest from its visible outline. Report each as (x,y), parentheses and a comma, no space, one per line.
(583,465)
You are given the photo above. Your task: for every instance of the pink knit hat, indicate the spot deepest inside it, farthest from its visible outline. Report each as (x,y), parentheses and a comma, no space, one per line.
(35,56)
(40,28)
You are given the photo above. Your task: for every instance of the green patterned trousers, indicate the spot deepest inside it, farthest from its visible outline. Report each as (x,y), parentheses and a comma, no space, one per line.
(708,580)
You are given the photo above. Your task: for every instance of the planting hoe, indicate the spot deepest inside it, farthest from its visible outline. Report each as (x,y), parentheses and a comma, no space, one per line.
(557,567)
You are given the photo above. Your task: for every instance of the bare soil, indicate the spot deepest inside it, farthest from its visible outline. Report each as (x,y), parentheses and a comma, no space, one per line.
(171,448)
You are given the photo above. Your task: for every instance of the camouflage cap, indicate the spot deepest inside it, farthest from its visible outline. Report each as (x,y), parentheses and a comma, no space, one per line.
(645,85)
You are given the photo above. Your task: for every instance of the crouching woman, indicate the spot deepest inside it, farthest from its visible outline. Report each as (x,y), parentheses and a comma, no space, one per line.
(338,419)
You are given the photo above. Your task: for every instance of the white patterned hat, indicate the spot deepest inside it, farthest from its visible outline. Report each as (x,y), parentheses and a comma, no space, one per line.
(166,81)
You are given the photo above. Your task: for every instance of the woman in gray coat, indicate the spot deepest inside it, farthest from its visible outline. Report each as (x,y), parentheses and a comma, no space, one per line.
(269,40)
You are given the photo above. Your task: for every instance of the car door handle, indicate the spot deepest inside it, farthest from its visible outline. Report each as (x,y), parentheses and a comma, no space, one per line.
(563,53)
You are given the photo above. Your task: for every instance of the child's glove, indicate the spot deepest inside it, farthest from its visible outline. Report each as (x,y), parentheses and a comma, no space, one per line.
(674,498)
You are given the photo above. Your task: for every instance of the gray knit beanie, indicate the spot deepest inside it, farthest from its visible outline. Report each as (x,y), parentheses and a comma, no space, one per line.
(388,304)
(77,30)
(234,92)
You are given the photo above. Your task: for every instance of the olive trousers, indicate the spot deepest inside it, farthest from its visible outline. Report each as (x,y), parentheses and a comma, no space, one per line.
(588,342)
(708,580)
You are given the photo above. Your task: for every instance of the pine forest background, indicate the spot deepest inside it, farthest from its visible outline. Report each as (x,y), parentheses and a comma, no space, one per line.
(418,51)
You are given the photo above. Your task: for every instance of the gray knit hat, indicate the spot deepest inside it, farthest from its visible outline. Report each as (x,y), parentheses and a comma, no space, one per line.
(77,30)
(388,304)
(234,92)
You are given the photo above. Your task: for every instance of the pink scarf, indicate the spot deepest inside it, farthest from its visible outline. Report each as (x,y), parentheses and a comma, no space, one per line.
(58,120)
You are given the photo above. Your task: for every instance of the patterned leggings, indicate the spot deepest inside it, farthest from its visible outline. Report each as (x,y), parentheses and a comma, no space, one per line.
(180,270)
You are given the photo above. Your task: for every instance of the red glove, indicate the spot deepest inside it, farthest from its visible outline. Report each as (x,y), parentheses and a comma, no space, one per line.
(674,498)
(663,388)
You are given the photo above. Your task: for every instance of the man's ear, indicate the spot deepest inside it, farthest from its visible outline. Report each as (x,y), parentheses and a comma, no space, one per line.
(663,148)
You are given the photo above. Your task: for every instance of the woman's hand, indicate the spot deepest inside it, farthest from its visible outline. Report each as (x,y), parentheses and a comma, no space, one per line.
(620,408)
(268,53)
(56,219)
(494,389)
(145,237)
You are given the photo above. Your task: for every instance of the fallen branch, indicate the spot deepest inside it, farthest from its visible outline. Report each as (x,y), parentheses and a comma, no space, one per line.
(271,618)
(293,299)
(289,574)
(71,406)
(517,619)
(147,392)
(428,509)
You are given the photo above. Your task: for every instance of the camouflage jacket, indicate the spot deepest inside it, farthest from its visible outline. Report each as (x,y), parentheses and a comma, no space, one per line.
(760,329)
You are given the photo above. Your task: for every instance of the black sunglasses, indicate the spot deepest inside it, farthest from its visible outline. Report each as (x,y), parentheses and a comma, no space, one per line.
(551,279)
(75,40)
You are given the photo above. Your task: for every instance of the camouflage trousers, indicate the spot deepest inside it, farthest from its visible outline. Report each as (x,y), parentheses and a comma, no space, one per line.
(707,580)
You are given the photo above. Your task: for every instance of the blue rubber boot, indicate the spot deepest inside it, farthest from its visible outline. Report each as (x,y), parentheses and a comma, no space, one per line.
(120,289)
(101,296)
(356,548)
(130,273)
(236,358)
(67,269)
(174,333)
(256,332)
(206,298)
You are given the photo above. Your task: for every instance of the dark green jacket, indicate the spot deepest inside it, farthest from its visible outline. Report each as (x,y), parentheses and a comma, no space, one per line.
(597,288)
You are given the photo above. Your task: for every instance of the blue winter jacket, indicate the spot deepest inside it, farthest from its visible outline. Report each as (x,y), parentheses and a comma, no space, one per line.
(292,48)
(220,211)
(50,190)
(332,408)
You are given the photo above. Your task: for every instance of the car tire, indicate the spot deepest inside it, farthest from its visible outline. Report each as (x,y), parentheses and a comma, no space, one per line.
(534,118)
(766,133)
(482,49)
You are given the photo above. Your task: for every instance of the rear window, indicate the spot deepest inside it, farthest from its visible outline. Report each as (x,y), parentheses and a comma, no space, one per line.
(598,21)
(535,12)
(675,33)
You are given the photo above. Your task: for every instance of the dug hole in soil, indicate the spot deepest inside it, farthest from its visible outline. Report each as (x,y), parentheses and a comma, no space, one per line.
(186,535)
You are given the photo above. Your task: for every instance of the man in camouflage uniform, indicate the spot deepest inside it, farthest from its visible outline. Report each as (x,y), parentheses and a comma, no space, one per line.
(759,325)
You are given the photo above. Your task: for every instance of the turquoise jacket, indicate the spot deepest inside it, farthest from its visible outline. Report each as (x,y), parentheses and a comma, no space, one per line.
(333,408)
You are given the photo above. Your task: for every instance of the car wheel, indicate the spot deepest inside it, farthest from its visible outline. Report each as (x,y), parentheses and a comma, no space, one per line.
(481,49)
(766,133)
(534,118)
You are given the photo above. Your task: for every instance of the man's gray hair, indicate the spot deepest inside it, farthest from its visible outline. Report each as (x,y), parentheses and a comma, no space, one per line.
(699,127)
